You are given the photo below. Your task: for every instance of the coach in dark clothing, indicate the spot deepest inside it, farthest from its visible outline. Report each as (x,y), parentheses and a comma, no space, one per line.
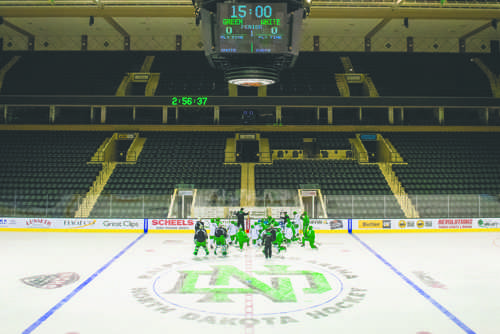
(241,218)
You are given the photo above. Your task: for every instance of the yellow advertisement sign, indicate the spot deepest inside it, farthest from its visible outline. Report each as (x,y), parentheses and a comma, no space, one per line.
(370,223)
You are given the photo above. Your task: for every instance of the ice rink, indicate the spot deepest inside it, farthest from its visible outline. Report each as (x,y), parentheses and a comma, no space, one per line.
(124,283)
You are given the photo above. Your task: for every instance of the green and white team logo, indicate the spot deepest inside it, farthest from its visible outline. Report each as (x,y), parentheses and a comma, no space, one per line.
(275,288)
(228,292)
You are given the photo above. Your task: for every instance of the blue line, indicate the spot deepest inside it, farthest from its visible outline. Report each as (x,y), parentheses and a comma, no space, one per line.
(80,287)
(418,289)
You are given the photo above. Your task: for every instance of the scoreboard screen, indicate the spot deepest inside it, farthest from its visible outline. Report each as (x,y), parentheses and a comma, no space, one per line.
(252,28)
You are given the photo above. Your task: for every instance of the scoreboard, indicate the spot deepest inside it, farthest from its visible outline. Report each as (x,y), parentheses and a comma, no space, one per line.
(252,42)
(256,28)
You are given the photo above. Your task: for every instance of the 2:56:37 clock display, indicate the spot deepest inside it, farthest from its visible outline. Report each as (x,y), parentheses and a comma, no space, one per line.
(189,100)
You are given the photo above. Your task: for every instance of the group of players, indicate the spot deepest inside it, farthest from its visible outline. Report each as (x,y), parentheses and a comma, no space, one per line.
(267,233)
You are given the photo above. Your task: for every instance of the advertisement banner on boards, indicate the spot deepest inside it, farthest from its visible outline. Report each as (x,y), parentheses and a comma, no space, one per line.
(486,223)
(172,224)
(10,223)
(412,224)
(328,224)
(392,224)
(455,223)
(72,223)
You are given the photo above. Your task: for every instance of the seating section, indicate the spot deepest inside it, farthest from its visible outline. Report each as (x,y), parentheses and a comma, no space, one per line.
(70,73)
(351,190)
(312,74)
(167,161)
(450,174)
(45,174)
(423,74)
(294,140)
(187,73)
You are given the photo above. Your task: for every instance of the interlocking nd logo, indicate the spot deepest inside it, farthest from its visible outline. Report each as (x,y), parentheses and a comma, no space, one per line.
(209,290)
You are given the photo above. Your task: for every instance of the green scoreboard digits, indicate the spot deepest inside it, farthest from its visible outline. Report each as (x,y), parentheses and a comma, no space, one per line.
(252,28)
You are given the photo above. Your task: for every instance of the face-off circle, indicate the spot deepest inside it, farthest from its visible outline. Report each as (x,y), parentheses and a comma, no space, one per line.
(215,287)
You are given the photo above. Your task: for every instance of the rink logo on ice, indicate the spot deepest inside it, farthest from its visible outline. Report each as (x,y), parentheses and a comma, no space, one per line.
(428,280)
(215,293)
(226,281)
(51,281)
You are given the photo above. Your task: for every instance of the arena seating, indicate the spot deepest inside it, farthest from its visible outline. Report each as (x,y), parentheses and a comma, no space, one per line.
(423,74)
(312,74)
(44,174)
(187,73)
(167,161)
(450,174)
(70,73)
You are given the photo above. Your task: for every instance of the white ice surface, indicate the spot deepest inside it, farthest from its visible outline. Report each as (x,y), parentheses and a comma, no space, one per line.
(135,294)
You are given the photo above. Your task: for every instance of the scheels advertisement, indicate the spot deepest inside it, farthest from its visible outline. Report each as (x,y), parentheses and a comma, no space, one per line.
(320,225)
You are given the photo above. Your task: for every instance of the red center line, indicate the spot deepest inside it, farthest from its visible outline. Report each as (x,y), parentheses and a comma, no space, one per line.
(249,328)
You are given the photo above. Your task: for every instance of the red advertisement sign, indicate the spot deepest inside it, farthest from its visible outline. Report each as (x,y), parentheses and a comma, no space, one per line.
(455,223)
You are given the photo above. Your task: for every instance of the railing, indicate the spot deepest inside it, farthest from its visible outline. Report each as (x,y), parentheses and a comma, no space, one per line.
(211,203)
(261,157)
(428,206)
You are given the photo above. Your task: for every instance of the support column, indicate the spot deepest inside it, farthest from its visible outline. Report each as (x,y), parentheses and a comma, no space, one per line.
(232,89)
(133,113)
(486,116)
(103,114)
(52,114)
(330,115)
(5,108)
(441,115)
(91,114)
(164,114)
(278,114)
(318,110)
(402,114)
(360,114)
(216,115)
(176,114)
(391,115)
(262,91)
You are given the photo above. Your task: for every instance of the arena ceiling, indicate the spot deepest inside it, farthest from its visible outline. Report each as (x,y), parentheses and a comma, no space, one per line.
(338,25)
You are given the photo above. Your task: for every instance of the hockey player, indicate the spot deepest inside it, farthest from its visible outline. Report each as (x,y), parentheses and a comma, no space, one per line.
(212,226)
(296,219)
(254,234)
(305,223)
(200,240)
(289,232)
(279,240)
(241,218)
(284,221)
(268,243)
(311,237)
(231,231)
(199,224)
(242,238)
(220,239)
